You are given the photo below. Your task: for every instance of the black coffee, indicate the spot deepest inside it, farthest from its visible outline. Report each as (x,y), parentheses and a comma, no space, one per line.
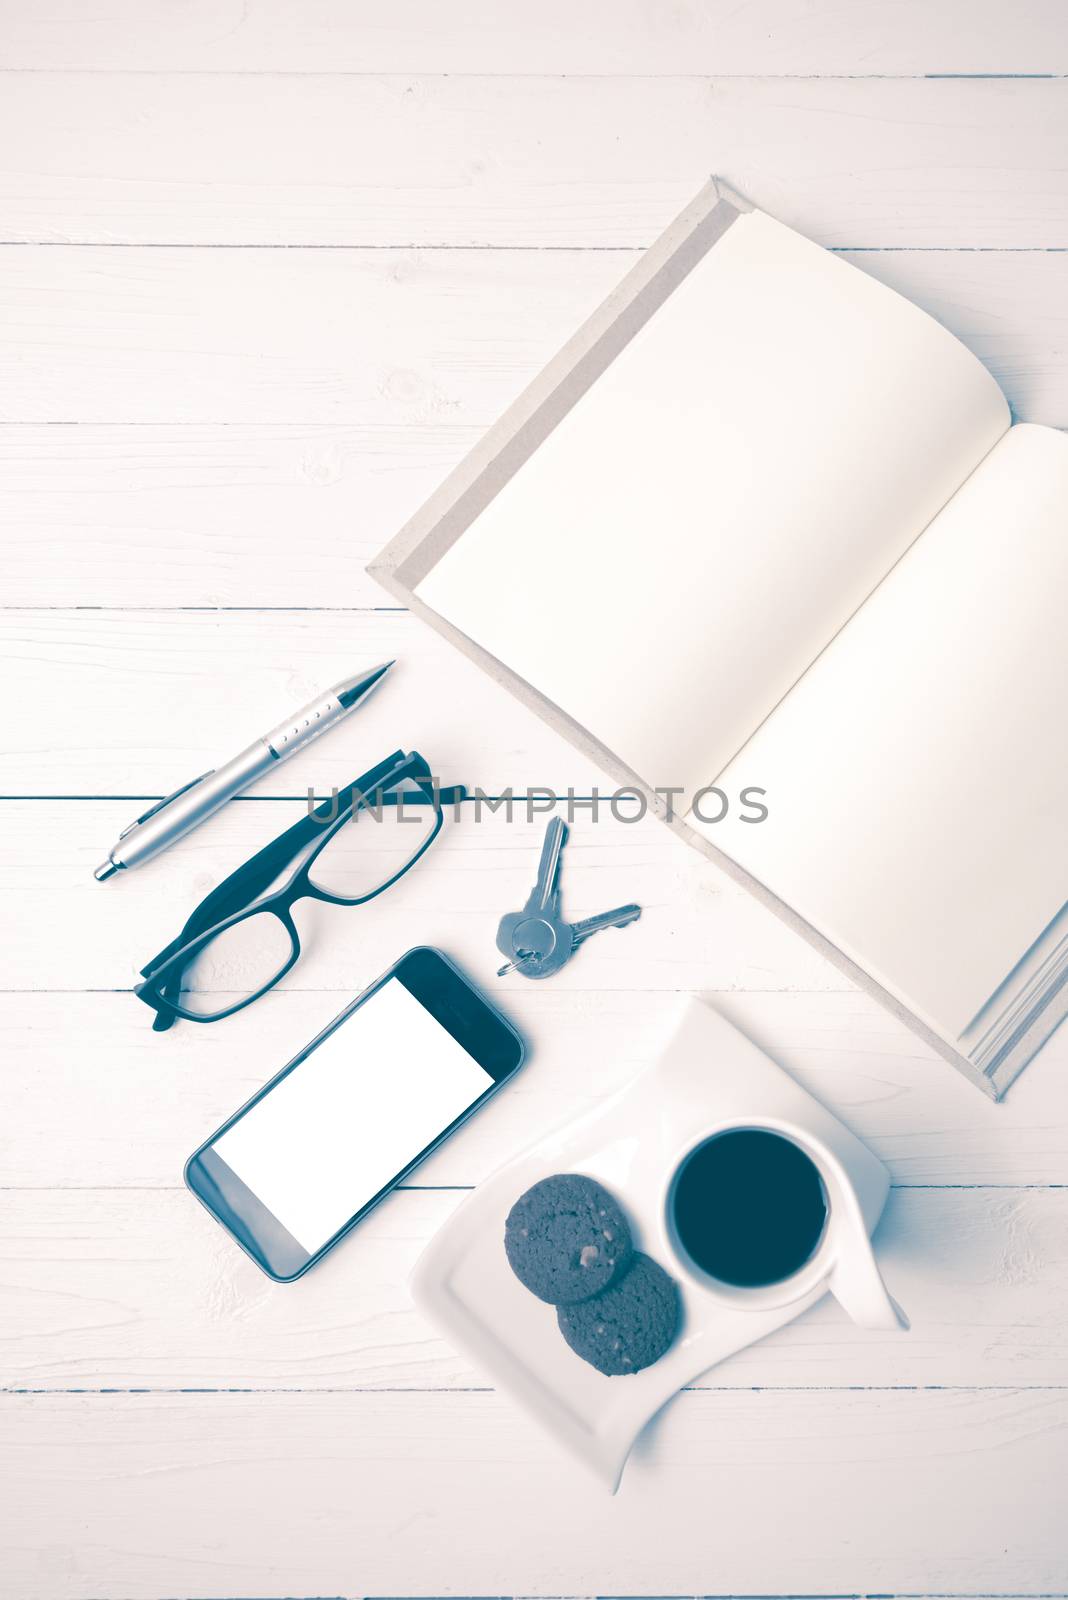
(749,1207)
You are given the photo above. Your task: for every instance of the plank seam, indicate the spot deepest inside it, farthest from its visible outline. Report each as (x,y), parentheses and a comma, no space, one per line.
(477,1388)
(533,77)
(465,1188)
(433,247)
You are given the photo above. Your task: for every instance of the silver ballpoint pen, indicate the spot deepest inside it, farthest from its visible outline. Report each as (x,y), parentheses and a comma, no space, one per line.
(197,800)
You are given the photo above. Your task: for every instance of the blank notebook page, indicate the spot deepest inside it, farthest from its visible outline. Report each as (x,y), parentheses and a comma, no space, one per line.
(916,778)
(709,513)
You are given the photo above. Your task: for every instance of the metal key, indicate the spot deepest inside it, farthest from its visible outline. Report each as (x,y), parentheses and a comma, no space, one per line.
(543,900)
(605,919)
(544,944)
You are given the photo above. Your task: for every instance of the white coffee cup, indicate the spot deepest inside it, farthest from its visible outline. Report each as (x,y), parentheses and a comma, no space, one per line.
(841,1259)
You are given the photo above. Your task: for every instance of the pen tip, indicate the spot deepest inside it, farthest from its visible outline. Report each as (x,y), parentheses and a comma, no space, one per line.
(107,869)
(354,689)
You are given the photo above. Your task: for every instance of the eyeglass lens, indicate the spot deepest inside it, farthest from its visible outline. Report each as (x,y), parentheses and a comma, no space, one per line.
(377,843)
(235,964)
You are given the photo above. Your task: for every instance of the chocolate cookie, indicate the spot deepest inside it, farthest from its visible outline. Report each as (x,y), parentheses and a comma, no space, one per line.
(566,1239)
(630,1325)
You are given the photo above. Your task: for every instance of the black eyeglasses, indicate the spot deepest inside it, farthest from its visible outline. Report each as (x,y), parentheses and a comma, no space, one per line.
(242,939)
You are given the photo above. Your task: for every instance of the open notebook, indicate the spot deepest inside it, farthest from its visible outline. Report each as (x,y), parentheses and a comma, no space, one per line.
(788,538)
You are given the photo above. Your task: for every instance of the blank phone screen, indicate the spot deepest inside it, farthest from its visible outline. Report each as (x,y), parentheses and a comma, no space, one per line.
(342,1124)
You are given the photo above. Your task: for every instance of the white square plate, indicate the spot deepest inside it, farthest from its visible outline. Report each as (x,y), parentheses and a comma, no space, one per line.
(709,1076)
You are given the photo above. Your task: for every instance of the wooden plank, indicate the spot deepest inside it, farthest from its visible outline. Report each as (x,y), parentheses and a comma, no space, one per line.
(557,36)
(455,897)
(417,1494)
(346,337)
(467,160)
(359,338)
(142,701)
(97,1100)
(154,1295)
(224,516)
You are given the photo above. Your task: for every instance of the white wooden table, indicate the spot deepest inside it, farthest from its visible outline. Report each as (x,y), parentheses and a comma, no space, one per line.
(267,271)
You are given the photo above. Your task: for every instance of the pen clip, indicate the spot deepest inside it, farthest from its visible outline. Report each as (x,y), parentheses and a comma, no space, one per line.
(159,804)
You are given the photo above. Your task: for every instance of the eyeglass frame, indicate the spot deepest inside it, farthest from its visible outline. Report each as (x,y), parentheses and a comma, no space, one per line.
(374,788)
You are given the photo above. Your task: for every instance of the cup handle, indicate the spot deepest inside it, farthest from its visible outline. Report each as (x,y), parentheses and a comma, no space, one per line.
(858,1287)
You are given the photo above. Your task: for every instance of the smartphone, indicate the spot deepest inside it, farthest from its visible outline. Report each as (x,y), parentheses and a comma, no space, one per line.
(354,1112)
